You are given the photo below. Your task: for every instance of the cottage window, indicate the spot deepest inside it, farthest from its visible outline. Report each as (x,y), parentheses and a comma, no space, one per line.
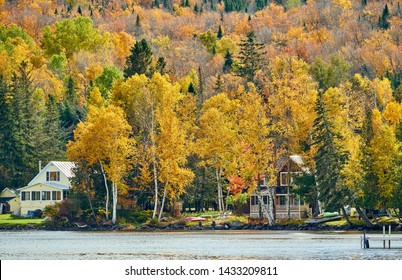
(284,178)
(282,200)
(298,201)
(65,194)
(53,176)
(25,196)
(56,195)
(35,195)
(46,195)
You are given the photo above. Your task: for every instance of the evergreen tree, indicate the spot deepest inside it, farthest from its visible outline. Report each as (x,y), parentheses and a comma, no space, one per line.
(6,128)
(24,133)
(138,21)
(71,112)
(218,85)
(161,65)
(191,89)
(383,22)
(196,9)
(227,66)
(250,57)
(330,157)
(220,33)
(370,179)
(139,60)
(79,10)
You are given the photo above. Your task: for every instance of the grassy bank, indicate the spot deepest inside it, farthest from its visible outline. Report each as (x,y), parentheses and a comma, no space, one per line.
(7,219)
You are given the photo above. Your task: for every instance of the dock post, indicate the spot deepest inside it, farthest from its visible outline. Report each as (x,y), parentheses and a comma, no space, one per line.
(389,234)
(383,234)
(366,244)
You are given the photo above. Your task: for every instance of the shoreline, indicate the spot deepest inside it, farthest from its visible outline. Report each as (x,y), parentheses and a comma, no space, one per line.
(180,227)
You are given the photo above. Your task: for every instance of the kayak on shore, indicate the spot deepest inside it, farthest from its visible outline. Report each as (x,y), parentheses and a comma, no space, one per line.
(325,217)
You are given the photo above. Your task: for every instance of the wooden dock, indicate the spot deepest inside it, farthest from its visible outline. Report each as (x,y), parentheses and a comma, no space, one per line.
(385,239)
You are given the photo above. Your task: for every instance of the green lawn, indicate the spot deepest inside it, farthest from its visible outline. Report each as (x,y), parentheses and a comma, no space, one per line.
(6,219)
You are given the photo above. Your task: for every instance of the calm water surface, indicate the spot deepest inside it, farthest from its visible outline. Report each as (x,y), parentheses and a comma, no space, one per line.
(283,245)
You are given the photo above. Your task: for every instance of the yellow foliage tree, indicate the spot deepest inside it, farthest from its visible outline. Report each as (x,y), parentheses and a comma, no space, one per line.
(218,138)
(104,138)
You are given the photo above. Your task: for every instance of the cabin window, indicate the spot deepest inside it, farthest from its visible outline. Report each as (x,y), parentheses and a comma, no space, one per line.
(46,195)
(282,200)
(254,200)
(53,176)
(35,195)
(284,178)
(25,196)
(65,194)
(298,201)
(56,195)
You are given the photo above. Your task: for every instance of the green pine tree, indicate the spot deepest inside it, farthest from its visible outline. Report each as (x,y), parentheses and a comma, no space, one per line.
(138,21)
(26,139)
(70,111)
(383,22)
(227,66)
(329,159)
(191,89)
(140,59)
(218,85)
(250,57)
(161,65)
(220,33)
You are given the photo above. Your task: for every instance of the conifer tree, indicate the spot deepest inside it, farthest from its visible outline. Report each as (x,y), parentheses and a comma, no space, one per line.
(250,57)
(383,22)
(220,33)
(23,130)
(71,112)
(330,157)
(161,65)
(227,66)
(191,89)
(139,60)
(5,135)
(138,21)
(218,85)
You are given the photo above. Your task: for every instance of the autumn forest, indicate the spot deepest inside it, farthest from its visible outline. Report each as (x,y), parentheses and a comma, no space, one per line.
(169,102)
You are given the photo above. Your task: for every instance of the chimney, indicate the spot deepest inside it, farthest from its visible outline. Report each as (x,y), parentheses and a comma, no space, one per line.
(40,166)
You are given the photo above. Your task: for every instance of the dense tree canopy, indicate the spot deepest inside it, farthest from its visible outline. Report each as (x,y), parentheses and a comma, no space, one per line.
(207,91)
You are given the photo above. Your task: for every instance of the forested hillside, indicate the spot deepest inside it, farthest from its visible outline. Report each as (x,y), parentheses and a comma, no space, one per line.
(167,101)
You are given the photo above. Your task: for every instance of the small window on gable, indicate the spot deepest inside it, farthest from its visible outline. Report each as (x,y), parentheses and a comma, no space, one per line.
(53,176)
(284,178)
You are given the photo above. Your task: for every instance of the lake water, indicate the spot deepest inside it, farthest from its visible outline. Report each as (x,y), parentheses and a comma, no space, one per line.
(188,245)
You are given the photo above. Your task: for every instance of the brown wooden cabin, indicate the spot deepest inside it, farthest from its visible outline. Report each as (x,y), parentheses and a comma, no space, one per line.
(298,209)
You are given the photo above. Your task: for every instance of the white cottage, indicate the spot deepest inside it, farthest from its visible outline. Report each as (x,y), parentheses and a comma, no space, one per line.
(50,185)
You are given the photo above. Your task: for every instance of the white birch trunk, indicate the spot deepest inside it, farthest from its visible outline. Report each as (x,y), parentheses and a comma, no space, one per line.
(107,191)
(156,188)
(163,204)
(220,193)
(271,206)
(114,191)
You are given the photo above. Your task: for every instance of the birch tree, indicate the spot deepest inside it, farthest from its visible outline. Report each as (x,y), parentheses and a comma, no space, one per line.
(218,138)
(104,138)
